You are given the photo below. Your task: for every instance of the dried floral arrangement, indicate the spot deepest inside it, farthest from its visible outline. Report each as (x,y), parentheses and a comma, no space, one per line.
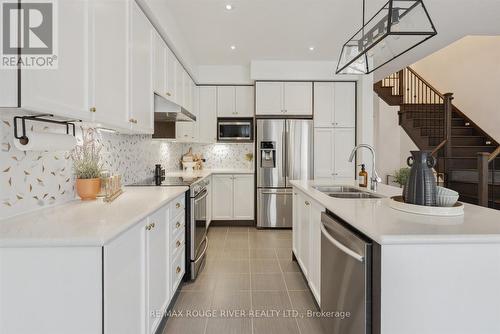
(249,156)
(86,157)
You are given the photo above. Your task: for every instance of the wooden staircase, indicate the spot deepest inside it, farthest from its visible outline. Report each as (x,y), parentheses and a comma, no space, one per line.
(468,159)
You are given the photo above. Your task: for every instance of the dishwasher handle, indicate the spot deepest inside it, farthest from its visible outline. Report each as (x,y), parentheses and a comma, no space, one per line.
(340,246)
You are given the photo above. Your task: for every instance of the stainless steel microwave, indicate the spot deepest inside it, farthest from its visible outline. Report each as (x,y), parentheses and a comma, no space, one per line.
(235,129)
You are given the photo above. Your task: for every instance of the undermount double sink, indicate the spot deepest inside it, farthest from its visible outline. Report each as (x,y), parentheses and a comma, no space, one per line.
(346,192)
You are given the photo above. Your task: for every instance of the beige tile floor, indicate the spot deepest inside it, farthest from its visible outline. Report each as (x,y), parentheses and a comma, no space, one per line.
(247,270)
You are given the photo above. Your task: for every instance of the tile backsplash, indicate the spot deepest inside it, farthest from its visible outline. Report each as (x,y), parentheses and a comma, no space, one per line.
(35,179)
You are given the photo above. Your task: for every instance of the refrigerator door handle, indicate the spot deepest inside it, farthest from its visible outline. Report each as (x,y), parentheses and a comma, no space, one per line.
(283,154)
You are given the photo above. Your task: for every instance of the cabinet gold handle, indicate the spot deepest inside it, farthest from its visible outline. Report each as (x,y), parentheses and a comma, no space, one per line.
(178,243)
(178,270)
(178,205)
(168,94)
(307,203)
(177,225)
(133,120)
(153,225)
(148,227)
(93,109)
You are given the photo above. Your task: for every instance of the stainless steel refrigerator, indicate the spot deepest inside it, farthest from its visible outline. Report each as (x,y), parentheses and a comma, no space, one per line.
(284,153)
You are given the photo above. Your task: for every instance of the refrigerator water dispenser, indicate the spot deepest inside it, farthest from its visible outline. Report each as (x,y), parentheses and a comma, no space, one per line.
(268,154)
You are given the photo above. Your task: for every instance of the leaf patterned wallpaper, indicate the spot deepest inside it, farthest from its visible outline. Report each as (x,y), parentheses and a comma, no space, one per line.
(32,180)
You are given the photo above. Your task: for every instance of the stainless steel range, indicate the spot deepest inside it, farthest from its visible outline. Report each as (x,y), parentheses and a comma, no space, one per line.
(196,218)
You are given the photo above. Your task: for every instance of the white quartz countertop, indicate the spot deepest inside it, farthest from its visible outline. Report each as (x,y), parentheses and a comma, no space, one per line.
(78,223)
(377,220)
(207,172)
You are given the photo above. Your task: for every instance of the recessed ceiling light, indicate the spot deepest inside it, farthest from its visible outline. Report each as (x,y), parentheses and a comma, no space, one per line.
(229,6)
(233,47)
(311,48)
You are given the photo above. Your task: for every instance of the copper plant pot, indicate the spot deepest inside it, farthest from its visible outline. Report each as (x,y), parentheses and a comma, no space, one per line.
(88,189)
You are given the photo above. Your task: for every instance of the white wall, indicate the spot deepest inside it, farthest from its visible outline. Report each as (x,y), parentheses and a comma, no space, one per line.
(470,69)
(392,144)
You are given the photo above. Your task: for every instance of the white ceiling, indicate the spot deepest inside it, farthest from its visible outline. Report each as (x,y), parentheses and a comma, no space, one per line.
(266,29)
(285,29)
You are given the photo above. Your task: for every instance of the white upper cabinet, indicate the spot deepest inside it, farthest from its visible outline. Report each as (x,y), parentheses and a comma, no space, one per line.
(187,104)
(269,98)
(64,91)
(245,101)
(159,65)
(8,88)
(207,114)
(345,104)
(235,101)
(334,104)
(284,98)
(110,89)
(171,75)
(324,105)
(141,97)
(226,101)
(179,84)
(297,98)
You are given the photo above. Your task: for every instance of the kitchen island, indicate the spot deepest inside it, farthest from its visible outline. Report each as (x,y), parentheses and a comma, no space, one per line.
(427,274)
(93,267)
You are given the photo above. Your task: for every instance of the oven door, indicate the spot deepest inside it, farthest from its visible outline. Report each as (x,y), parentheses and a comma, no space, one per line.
(199,238)
(230,130)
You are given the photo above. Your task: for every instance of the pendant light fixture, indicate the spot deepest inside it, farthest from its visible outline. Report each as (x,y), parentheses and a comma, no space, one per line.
(396,28)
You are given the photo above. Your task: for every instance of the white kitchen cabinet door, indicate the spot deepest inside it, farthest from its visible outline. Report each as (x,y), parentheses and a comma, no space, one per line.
(243,197)
(297,98)
(295,223)
(125,282)
(157,266)
(323,153)
(186,82)
(8,88)
(207,112)
(141,90)
(343,143)
(209,202)
(110,86)
(64,91)
(269,98)
(245,101)
(226,101)
(303,251)
(324,105)
(345,104)
(179,83)
(171,75)
(315,249)
(184,131)
(222,205)
(159,64)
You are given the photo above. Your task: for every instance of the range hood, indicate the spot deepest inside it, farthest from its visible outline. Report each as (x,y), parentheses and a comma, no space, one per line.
(166,111)
(166,115)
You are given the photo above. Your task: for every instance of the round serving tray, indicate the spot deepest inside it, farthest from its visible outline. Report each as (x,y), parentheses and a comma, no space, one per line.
(396,202)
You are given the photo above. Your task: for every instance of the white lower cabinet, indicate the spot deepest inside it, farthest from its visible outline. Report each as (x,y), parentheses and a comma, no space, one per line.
(233,197)
(157,266)
(122,287)
(125,282)
(306,239)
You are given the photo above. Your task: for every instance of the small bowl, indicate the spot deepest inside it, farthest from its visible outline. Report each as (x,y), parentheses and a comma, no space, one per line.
(446,197)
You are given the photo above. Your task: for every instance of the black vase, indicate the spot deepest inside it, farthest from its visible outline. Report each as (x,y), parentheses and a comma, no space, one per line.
(420,188)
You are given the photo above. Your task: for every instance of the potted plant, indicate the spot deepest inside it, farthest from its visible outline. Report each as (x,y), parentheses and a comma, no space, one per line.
(87,167)
(401,176)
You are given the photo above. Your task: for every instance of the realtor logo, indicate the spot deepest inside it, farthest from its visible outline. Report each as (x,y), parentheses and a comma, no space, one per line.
(29,34)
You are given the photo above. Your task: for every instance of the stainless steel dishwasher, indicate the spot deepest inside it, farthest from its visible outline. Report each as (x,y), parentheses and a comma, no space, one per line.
(345,279)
